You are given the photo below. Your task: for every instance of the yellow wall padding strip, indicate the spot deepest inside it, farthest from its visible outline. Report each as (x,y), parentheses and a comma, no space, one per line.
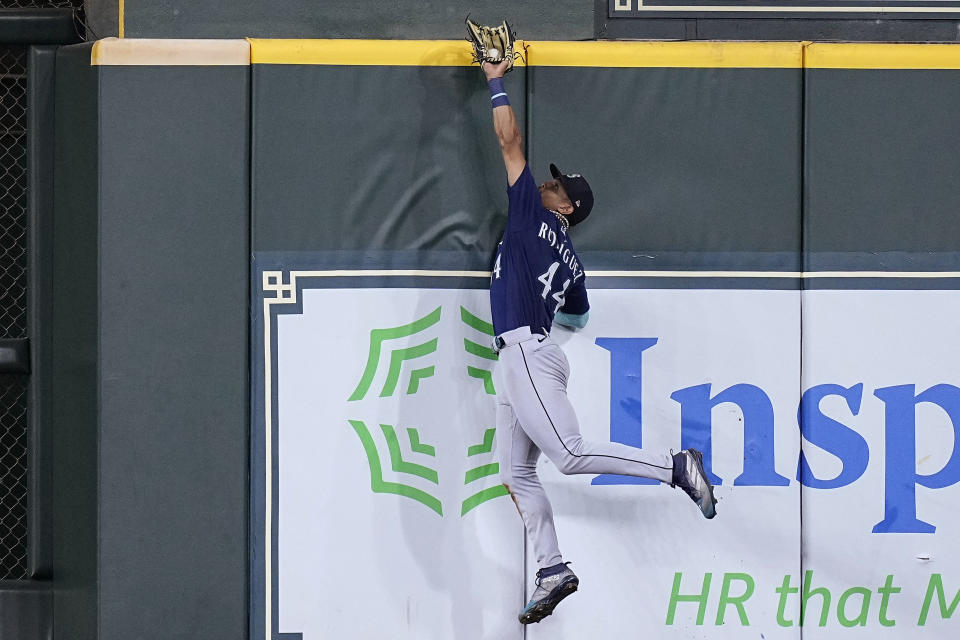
(418,53)
(699,54)
(882,56)
(566,54)
(457,53)
(136,51)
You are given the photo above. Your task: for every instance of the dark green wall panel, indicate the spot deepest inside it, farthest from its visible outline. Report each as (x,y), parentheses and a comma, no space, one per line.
(151,350)
(173,336)
(75,334)
(881,169)
(37,26)
(683,162)
(695,167)
(401,19)
(41,137)
(535,19)
(389,158)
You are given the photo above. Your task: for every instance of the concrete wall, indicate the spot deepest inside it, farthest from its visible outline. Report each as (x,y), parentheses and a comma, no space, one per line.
(538,20)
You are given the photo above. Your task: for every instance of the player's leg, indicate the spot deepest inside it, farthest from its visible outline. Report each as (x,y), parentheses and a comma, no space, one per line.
(518,471)
(537,388)
(536,384)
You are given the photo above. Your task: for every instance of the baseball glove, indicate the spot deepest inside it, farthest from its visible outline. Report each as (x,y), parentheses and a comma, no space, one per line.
(491,44)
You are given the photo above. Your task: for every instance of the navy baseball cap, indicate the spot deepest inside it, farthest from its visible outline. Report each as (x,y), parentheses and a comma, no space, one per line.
(579,192)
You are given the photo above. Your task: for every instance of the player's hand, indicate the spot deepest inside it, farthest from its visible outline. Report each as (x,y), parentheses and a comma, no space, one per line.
(494,70)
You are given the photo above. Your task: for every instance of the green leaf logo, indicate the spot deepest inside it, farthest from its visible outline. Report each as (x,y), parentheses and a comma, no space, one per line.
(482,471)
(421,463)
(479,350)
(397,357)
(398,464)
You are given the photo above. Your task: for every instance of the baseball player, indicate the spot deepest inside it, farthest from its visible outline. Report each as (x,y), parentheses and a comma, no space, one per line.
(537,280)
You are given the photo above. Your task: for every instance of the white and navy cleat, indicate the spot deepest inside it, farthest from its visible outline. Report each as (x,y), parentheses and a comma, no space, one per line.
(689,475)
(553,585)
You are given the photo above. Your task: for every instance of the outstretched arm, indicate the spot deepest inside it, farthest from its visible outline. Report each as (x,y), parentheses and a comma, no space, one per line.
(505,122)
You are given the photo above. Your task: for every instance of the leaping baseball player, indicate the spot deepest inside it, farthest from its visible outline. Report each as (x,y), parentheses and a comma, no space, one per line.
(537,280)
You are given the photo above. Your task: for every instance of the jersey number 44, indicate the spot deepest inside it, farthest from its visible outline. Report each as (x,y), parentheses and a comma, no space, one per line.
(546,278)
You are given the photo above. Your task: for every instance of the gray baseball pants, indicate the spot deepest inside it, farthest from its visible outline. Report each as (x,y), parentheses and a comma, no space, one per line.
(534,415)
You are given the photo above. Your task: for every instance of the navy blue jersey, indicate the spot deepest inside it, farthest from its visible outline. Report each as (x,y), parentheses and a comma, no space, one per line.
(536,272)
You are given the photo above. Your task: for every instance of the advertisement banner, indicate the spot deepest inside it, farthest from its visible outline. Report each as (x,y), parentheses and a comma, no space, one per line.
(880,465)
(378,509)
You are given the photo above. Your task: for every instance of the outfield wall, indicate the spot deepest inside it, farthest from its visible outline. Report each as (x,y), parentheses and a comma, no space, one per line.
(772,263)
(150,382)
(882,20)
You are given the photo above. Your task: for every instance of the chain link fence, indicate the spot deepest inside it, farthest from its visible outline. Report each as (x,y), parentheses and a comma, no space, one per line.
(13,478)
(13,311)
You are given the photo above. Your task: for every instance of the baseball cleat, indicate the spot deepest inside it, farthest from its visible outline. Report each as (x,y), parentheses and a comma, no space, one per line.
(553,585)
(688,474)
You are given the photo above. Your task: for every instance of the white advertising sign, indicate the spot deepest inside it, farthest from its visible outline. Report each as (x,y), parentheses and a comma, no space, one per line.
(882,460)
(385,517)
